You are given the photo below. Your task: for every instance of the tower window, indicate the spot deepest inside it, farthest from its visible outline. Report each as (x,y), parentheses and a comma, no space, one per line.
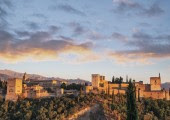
(10,90)
(101,84)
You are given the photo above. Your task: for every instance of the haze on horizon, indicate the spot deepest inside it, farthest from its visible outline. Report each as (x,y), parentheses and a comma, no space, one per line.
(76,38)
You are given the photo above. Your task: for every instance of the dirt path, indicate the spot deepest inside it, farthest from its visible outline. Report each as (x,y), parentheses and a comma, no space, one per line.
(95,113)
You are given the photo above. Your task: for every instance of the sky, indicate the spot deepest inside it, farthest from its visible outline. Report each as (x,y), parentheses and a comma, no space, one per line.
(77,38)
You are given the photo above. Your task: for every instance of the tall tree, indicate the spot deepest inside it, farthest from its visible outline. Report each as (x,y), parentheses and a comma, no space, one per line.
(117,80)
(63,85)
(113,79)
(126,78)
(120,80)
(132,113)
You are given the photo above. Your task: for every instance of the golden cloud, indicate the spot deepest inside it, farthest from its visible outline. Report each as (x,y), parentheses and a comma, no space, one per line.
(14,55)
(130,57)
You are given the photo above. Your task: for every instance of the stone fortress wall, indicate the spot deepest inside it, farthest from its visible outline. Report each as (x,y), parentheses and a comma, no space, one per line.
(152,90)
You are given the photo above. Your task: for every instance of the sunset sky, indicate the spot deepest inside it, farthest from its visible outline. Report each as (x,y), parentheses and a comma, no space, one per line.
(76,38)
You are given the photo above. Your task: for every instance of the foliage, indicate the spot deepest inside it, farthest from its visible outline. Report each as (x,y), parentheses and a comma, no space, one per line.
(116,106)
(63,85)
(43,109)
(132,113)
(72,86)
(49,90)
(117,80)
(3,86)
(159,108)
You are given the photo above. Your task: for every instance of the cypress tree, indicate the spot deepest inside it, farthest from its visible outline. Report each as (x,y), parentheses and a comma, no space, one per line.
(132,113)
(113,79)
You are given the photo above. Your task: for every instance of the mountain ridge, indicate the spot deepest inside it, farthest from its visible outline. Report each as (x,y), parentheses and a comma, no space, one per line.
(5,74)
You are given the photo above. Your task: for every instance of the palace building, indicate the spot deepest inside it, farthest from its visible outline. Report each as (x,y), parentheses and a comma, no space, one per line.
(16,88)
(30,88)
(152,90)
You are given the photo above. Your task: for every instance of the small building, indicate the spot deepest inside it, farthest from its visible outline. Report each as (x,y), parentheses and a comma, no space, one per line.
(52,84)
(35,91)
(71,92)
(59,92)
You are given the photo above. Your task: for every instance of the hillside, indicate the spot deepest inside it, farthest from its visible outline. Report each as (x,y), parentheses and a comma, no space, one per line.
(166,85)
(78,81)
(5,74)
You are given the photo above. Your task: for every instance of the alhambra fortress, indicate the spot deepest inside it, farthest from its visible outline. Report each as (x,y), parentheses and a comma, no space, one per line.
(24,88)
(152,90)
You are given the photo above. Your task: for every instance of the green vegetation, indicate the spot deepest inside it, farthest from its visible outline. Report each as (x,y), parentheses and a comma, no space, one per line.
(110,106)
(132,113)
(49,90)
(116,106)
(3,86)
(72,86)
(117,80)
(158,109)
(43,109)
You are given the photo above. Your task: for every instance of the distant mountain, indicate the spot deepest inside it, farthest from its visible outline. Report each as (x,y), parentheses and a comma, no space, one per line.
(5,74)
(4,77)
(166,85)
(78,81)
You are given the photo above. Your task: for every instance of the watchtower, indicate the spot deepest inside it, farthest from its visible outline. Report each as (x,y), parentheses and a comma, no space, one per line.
(14,88)
(155,83)
(95,80)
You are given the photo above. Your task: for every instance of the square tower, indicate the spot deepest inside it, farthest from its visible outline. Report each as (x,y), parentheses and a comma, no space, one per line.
(14,88)
(155,83)
(95,80)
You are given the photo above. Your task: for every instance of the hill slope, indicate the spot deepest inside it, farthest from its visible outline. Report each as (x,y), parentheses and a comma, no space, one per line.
(5,74)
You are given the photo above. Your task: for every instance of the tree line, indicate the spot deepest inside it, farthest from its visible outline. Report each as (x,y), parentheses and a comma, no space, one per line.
(45,108)
(3,86)
(72,86)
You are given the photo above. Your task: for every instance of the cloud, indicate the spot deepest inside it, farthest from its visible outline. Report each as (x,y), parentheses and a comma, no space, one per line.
(143,47)
(32,25)
(54,28)
(78,29)
(65,38)
(22,33)
(126,5)
(5,6)
(39,46)
(135,8)
(119,36)
(7,3)
(69,9)
(123,57)
(84,58)
(93,35)
(154,10)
